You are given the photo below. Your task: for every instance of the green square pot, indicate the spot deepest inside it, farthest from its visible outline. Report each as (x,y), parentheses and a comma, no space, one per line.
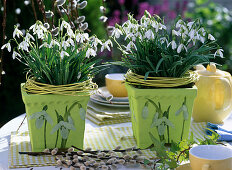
(55,121)
(163,112)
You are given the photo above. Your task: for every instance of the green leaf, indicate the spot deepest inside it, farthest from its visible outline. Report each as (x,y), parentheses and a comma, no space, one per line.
(146,161)
(159,146)
(39,122)
(201,2)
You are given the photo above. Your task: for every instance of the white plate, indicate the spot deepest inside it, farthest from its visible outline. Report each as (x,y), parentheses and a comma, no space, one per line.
(109,104)
(103,93)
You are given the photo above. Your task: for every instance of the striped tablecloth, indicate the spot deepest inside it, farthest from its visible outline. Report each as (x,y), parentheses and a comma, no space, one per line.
(98,139)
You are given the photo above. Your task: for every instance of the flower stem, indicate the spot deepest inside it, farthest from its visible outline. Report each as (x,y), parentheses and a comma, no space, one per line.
(45,126)
(182,130)
(57,136)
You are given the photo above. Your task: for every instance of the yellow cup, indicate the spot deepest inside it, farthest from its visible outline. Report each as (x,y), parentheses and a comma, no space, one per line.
(115,84)
(210,157)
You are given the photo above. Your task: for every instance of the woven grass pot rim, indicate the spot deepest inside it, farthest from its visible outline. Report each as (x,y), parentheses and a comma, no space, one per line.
(85,88)
(134,79)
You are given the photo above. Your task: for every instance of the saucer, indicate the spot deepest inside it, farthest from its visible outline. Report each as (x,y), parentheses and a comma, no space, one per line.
(104,93)
(108,103)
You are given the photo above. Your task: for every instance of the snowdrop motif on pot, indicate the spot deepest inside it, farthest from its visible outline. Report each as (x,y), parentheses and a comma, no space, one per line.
(60,68)
(160,82)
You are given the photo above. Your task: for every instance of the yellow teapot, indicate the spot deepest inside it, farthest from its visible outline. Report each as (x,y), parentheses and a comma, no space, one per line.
(214,96)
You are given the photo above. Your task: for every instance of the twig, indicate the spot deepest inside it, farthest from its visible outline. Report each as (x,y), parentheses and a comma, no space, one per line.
(177,159)
(106,151)
(21,123)
(70,21)
(33,8)
(3,39)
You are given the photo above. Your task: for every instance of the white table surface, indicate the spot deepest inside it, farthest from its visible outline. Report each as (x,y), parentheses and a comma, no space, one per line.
(13,125)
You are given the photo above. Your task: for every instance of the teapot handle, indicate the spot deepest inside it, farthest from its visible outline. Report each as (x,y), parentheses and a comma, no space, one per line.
(223,101)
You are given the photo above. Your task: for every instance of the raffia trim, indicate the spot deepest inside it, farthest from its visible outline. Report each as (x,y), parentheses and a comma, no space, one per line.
(85,88)
(135,79)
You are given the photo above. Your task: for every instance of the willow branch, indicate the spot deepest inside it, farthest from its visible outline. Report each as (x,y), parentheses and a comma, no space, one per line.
(3,38)
(33,8)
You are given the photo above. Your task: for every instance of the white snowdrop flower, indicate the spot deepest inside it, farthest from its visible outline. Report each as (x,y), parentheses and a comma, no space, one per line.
(173,43)
(96,41)
(2,9)
(26,2)
(28,37)
(131,45)
(23,46)
(44,45)
(129,35)
(103,18)
(82,37)
(202,39)
(219,52)
(64,24)
(102,9)
(116,33)
(63,53)
(8,46)
(181,47)
(18,11)
(90,52)
(161,26)
(202,31)
(70,41)
(106,45)
(155,25)
(15,54)
(65,44)
(138,35)
(53,43)
(17,32)
(192,34)
(163,40)
(177,33)
(70,33)
(149,34)
(190,24)
(179,23)
(210,37)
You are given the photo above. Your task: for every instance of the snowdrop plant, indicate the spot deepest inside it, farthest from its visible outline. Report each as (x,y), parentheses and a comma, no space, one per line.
(65,57)
(153,49)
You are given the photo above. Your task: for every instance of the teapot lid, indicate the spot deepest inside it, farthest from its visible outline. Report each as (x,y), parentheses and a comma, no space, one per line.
(211,70)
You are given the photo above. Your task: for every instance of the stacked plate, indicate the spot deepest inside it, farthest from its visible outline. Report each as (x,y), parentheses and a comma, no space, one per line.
(103,97)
